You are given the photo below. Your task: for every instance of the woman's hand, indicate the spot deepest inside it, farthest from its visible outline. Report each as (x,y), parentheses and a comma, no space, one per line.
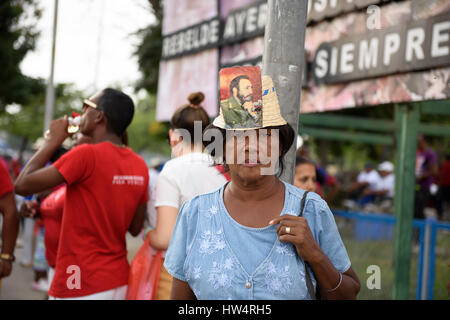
(296,230)
(332,286)
(29,209)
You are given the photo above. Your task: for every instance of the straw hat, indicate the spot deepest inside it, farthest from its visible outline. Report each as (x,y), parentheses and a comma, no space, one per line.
(271,107)
(264,109)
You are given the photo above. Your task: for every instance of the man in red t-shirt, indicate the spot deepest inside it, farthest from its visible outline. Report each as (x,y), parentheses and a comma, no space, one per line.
(10,221)
(106,196)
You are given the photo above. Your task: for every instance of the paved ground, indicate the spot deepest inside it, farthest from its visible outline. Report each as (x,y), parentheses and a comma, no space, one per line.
(18,285)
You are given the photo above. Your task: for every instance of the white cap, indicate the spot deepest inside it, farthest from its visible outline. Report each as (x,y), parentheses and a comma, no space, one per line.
(299,142)
(386,166)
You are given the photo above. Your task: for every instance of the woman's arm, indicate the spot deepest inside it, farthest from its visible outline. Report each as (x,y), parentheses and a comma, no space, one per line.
(329,279)
(166,218)
(181,291)
(308,249)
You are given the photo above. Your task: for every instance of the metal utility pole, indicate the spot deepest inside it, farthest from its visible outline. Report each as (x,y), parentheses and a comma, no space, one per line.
(407,118)
(284,43)
(50,93)
(99,45)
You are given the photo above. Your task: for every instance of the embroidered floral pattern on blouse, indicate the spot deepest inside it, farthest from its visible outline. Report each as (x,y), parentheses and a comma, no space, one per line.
(211,242)
(193,273)
(211,212)
(278,280)
(220,275)
(285,249)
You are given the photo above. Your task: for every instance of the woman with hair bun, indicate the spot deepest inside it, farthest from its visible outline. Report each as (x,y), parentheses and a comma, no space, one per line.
(189,173)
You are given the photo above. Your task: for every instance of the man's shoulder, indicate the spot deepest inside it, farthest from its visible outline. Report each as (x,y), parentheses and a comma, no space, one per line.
(138,160)
(83,150)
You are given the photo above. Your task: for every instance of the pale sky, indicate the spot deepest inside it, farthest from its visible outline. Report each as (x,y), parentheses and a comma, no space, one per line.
(90,31)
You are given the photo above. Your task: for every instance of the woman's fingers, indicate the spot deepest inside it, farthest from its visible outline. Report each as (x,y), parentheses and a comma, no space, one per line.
(287,238)
(286,228)
(286,217)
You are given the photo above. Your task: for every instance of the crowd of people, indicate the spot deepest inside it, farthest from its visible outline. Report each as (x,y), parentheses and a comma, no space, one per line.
(226,230)
(373,188)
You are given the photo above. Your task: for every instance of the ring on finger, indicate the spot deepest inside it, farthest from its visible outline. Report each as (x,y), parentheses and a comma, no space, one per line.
(288,230)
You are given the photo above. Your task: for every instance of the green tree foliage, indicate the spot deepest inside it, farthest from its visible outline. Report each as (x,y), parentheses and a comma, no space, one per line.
(28,123)
(149,50)
(144,132)
(18,36)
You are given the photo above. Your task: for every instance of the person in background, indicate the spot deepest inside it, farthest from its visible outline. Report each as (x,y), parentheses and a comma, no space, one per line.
(305,174)
(155,168)
(28,223)
(106,196)
(326,185)
(384,191)
(444,189)
(426,169)
(10,226)
(188,174)
(41,263)
(366,183)
(49,208)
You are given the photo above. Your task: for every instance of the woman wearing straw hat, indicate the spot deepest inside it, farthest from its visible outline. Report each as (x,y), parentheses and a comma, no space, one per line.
(246,240)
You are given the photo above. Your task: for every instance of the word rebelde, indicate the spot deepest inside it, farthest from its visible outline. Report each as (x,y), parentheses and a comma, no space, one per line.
(240,24)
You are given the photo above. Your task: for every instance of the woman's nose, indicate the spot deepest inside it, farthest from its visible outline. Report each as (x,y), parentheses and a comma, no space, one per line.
(311,186)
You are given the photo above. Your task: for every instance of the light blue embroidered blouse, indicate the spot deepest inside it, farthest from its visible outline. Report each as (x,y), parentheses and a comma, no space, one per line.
(222,259)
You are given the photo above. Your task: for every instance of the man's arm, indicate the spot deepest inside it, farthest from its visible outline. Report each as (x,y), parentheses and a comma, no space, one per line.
(34,177)
(138,220)
(9,231)
(38,180)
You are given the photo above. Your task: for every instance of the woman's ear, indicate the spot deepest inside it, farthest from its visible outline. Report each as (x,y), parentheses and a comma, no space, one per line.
(174,138)
(170,137)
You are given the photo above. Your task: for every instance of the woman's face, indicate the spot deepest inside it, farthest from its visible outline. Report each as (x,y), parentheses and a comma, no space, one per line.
(305,177)
(249,154)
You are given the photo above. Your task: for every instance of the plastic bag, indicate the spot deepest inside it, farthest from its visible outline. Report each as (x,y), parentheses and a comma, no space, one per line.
(144,273)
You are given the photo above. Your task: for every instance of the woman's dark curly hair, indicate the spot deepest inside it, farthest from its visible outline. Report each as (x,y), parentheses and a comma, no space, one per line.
(286,138)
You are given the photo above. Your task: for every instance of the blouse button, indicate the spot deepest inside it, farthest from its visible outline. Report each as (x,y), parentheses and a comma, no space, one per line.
(248,285)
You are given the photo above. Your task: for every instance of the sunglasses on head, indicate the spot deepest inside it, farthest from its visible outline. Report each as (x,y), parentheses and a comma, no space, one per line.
(89,103)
